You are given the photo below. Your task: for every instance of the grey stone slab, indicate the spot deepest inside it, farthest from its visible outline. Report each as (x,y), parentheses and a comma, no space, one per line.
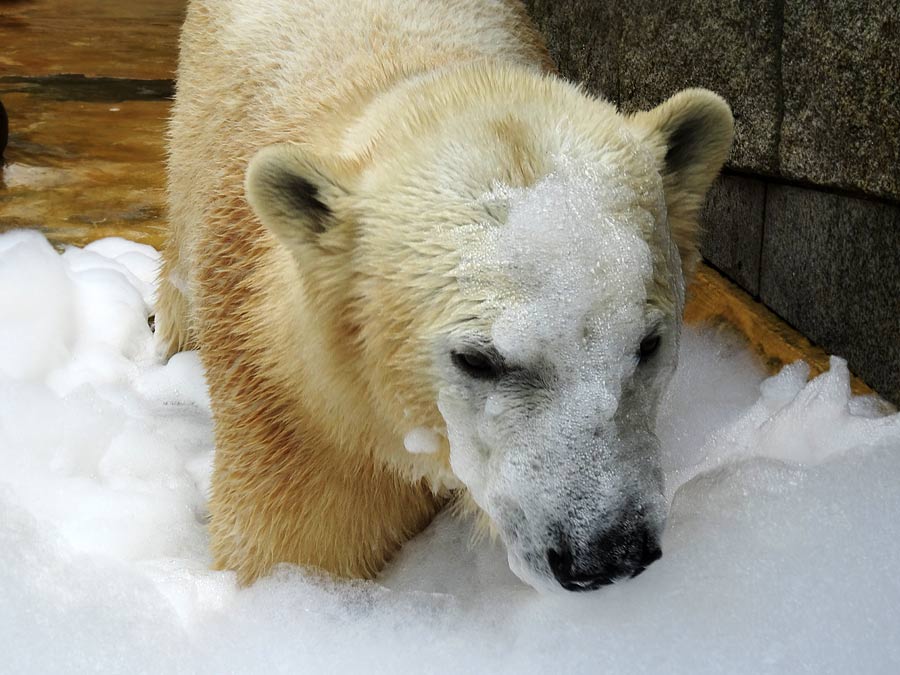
(831,267)
(728,46)
(841,72)
(732,223)
(583,39)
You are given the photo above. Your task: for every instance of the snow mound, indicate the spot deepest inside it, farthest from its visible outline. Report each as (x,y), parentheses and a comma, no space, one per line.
(779,553)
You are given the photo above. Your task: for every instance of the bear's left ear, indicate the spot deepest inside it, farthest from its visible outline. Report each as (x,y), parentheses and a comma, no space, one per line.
(295,195)
(690,134)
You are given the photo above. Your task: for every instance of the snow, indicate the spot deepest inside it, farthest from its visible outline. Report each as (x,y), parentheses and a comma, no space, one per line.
(779,552)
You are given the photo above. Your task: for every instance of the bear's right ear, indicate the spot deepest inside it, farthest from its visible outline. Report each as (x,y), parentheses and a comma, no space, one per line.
(690,134)
(292,194)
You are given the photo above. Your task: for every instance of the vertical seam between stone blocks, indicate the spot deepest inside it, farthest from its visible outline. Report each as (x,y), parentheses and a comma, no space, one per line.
(778,74)
(762,239)
(589,61)
(617,18)
(778,44)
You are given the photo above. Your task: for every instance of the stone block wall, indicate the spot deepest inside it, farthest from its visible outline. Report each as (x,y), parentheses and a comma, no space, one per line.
(806,216)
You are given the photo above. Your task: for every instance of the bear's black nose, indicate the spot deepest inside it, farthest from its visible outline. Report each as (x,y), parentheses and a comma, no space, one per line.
(613,555)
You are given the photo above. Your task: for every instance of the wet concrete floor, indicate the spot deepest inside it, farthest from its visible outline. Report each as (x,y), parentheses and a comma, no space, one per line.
(87,88)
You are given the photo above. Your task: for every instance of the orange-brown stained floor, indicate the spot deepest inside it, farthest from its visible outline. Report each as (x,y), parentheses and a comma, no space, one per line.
(87,89)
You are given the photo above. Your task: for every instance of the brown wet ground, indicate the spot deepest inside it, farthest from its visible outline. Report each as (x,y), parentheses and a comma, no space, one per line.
(115,38)
(87,89)
(86,86)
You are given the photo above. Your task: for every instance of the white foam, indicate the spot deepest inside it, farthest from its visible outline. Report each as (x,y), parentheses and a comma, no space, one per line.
(422,441)
(779,555)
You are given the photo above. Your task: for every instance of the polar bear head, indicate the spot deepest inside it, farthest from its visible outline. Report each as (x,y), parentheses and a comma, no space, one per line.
(511,255)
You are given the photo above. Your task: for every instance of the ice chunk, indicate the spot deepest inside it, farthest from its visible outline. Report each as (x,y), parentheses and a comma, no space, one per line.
(422,441)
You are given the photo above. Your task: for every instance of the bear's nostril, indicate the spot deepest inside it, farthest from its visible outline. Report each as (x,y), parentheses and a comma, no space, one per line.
(560,562)
(651,554)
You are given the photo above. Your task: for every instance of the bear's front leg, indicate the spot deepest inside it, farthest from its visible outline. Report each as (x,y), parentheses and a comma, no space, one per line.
(283,494)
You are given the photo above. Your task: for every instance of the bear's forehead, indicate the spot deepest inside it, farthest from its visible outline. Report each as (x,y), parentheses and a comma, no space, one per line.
(568,239)
(570,263)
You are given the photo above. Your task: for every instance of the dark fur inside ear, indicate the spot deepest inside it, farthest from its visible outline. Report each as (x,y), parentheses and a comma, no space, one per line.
(682,143)
(690,135)
(303,196)
(294,194)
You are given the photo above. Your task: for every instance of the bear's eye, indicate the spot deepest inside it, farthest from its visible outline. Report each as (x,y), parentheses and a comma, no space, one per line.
(476,364)
(649,346)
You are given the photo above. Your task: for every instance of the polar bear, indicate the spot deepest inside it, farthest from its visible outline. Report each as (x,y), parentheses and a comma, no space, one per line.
(422,268)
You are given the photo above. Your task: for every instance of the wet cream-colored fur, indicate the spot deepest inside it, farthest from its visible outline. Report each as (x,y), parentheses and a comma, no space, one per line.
(316,289)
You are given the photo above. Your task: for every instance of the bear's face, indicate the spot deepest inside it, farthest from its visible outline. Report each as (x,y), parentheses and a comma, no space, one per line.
(512,270)
(550,389)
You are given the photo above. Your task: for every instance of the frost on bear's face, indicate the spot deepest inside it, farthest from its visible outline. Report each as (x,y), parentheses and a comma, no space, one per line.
(550,394)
